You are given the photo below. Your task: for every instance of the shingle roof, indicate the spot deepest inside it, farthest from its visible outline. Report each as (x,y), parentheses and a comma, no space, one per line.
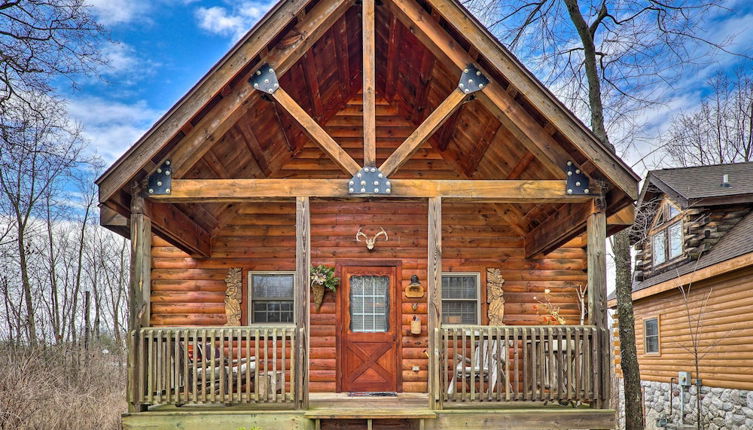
(705,181)
(738,241)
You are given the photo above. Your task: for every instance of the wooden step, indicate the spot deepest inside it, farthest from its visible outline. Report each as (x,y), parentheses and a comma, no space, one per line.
(372,414)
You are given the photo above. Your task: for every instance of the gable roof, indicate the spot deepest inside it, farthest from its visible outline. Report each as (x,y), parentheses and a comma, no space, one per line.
(278,29)
(702,184)
(738,241)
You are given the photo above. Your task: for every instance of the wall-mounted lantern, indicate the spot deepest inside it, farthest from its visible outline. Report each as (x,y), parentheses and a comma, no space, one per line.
(414,289)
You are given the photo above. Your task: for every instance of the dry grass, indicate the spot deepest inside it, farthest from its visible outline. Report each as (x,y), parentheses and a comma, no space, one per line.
(55,388)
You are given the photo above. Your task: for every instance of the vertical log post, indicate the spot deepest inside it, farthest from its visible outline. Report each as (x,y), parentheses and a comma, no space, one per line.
(597,294)
(369,75)
(140,287)
(434,283)
(302,299)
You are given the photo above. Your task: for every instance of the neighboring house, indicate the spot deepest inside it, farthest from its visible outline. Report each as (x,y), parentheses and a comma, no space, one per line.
(697,234)
(462,206)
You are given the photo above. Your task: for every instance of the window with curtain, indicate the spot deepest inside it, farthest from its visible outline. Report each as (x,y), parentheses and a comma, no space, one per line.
(460,298)
(270,297)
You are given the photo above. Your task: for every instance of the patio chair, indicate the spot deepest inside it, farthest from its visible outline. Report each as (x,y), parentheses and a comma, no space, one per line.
(480,366)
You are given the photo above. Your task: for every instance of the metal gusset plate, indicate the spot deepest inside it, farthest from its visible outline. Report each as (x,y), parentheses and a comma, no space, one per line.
(472,80)
(265,79)
(577,181)
(159,181)
(369,180)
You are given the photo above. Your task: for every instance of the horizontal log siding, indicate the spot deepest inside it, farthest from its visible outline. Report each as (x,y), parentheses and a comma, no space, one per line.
(727,330)
(188,291)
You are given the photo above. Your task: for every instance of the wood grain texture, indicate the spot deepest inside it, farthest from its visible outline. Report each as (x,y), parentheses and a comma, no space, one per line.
(724,335)
(262,236)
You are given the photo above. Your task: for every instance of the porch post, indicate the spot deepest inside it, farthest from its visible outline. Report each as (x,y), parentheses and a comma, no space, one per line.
(302,298)
(597,294)
(140,287)
(434,285)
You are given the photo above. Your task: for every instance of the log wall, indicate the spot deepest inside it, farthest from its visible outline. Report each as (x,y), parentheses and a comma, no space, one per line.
(188,291)
(725,334)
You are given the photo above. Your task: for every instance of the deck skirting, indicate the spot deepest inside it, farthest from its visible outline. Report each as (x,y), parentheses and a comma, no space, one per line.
(471,419)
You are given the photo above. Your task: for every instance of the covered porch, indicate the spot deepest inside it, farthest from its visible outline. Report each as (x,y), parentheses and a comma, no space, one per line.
(460,204)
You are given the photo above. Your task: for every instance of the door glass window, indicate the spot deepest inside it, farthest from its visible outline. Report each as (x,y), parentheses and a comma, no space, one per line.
(369,304)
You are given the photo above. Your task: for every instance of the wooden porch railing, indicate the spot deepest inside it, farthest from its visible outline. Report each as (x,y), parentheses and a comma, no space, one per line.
(522,364)
(225,365)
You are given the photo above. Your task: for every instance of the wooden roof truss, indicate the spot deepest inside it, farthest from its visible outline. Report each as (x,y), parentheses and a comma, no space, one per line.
(480,96)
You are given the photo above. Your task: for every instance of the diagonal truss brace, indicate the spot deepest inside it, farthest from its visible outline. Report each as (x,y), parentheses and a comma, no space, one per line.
(265,80)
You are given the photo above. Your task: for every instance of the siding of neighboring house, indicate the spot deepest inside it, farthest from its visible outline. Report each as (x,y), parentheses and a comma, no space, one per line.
(726,332)
(188,291)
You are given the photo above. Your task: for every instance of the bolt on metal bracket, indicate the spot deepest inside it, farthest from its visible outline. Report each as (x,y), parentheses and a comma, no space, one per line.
(369,180)
(265,79)
(577,181)
(159,182)
(472,80)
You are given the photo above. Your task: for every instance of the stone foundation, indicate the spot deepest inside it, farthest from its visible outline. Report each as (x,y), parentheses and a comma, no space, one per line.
(721,408)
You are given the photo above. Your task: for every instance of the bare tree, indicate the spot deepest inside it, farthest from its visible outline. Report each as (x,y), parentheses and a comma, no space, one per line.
(720,130)
(607,59)
(36,149)
(41,41)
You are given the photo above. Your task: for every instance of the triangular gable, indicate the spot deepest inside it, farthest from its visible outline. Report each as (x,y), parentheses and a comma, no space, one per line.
(292,27)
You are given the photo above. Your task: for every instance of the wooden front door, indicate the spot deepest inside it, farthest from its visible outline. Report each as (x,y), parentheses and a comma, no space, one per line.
(369,329)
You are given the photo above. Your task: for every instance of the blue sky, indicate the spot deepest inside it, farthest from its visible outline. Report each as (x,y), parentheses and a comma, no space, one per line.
(161,48)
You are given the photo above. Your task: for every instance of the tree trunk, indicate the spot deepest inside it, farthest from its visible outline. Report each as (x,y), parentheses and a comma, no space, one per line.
(31,327)
(621,249)
(629,357)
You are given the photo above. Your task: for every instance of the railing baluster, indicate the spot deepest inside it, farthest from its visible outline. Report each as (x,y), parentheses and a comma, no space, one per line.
(578,362)
(445,360)
(274,365)
(258,364)
(516,387)
(506,348)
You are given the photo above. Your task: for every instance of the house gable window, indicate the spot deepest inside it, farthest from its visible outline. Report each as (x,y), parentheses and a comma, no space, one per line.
(270,297)
(461,298)
(651,335)
(666,235)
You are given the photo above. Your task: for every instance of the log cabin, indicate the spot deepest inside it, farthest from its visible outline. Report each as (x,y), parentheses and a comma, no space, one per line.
(398,144)
(693,284)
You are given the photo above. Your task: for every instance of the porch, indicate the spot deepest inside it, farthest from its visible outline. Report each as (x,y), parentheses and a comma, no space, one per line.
(519,376)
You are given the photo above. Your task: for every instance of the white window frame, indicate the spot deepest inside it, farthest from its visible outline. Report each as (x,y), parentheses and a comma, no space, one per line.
(658,336)
(250,295)
(478,296)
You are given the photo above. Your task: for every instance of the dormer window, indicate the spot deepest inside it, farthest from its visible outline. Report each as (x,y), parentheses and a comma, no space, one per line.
(666,235)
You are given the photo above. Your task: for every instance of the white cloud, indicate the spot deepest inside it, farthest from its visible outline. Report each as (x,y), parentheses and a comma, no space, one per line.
(111,127)
(120,58)
(232,21)
(111,12)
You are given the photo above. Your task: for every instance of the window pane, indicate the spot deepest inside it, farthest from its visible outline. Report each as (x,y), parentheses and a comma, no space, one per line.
(459,287)
(272,286)
(652,327)
(673,212)
(675,240)
(459,312)
(659,248)
(273,311)
(651,335)
(652,344)
(369,303)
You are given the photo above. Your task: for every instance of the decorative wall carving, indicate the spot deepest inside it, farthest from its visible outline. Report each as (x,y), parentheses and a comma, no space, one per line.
(234,287)
(495,296)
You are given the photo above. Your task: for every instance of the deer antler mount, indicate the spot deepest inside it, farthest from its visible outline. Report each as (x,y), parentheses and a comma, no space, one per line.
(371,241)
